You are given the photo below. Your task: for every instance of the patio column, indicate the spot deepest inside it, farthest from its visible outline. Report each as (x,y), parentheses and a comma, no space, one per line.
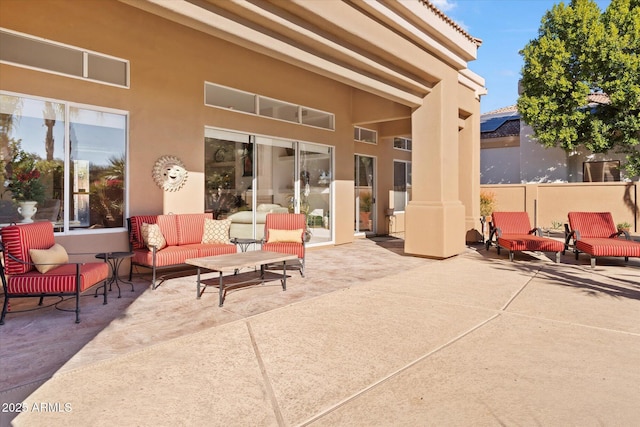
(435,217)
(470,173)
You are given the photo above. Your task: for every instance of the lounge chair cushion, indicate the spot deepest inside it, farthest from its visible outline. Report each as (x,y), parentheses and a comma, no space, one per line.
(529,242)
(593,224)
(614,247)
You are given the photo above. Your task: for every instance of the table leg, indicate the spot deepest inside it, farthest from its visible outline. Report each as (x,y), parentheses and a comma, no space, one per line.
(221,292)
(198,285)
(114,279)
(284,275)
(118,262)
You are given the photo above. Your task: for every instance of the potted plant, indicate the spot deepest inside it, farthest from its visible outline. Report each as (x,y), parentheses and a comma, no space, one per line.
(487,206)
(623,226)
(22,179)
(366,201)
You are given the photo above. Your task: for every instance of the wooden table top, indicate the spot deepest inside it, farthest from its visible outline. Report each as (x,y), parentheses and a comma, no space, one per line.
(231,262)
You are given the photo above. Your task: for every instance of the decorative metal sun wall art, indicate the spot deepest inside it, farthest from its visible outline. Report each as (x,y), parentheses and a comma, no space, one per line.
(169,173)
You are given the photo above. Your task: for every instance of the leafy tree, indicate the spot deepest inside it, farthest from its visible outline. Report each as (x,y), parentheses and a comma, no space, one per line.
(581,79)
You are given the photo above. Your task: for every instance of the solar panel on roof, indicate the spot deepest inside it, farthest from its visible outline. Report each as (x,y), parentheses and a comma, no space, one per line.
(493,122)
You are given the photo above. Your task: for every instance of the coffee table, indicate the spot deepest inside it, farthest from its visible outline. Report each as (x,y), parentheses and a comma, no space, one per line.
(232,262)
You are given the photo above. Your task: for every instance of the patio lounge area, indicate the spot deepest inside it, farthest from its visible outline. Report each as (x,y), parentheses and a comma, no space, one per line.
(370,336)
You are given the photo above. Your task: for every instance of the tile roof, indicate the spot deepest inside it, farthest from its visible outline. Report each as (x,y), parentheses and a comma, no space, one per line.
(509,109)
(500,123)
(451,22)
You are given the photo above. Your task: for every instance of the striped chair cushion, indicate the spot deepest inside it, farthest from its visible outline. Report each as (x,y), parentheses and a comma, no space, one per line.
(285,221)
(602,246)
(511,222)
(190,227)
(18,239)
(529,242)
(171,255)
(592,224)
(216,249)
(60,279)
(169,228)
(135,235)
(286,248)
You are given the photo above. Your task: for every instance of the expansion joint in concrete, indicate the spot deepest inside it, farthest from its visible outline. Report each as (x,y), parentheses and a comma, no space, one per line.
(396,373)
(265,376)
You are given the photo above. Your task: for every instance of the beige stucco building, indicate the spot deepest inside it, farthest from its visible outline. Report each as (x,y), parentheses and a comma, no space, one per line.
(339,109)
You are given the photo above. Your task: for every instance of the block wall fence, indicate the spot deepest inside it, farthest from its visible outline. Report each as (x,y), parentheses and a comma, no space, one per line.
(549,203)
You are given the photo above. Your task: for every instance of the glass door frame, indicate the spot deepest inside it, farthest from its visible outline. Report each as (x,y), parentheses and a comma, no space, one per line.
(358,191)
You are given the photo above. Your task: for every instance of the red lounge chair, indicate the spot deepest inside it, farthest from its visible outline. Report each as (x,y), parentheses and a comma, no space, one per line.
(21,279)
(595,233)
(514,233)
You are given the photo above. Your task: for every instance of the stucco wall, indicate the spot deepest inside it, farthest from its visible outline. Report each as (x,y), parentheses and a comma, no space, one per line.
(500,165)
(547,203)
(165,99)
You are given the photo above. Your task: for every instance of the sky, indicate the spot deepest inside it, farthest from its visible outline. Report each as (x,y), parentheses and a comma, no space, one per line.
(505,27)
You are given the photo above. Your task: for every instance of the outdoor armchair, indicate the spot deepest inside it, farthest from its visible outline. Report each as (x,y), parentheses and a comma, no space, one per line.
(595,233)
(35,266)
(513,232)
(284,233)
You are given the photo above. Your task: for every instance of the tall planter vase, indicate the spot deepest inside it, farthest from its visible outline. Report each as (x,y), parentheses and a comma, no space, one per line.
(27,209)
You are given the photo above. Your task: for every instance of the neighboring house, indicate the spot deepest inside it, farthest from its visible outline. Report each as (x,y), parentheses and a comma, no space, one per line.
(330,108)
(509,154)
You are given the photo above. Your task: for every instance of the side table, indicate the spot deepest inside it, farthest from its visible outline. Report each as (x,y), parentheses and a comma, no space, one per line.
(244,244)
(115,259)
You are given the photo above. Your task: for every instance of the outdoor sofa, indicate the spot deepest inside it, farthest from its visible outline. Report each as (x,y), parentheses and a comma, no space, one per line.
(163,241)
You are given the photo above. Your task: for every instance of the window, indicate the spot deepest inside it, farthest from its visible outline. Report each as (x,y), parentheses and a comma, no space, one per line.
(31,52)
(80,154)
(601,171)
(237,100)
(401,185)
(365,135)
(402,143)
(278,109)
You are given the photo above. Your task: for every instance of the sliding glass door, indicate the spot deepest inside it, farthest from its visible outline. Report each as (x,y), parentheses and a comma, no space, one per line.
(247,177)
(364,173)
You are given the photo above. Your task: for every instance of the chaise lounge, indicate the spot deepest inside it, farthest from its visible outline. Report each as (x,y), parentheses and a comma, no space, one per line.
(513,232)
(595,233)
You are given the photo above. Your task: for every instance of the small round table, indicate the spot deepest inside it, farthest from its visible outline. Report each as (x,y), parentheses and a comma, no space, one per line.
(244,244)
(114,260)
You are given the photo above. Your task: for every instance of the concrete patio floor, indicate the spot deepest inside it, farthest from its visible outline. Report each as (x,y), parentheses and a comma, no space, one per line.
(369,337)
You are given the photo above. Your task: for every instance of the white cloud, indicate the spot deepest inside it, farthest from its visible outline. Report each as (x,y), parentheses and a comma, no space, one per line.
(444,5)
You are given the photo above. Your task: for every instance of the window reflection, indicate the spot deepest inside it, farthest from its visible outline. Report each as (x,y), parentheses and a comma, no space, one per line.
(97,163)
